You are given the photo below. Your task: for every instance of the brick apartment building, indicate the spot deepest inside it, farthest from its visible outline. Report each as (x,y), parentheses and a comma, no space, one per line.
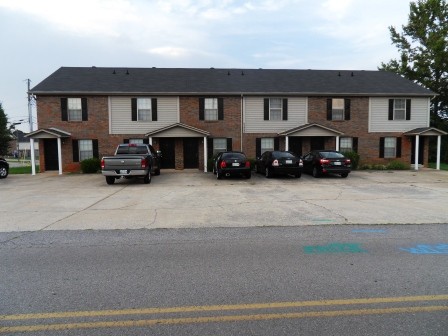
(191,114)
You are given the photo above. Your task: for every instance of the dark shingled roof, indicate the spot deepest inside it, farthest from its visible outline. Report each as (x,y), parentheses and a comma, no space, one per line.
(187,81)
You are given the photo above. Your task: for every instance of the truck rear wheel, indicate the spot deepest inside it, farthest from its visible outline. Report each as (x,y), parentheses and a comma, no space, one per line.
(110,179)
(147,179)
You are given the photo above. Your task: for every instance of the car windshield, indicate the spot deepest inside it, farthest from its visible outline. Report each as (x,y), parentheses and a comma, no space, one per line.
(331,155)
(230,156)
(279,155)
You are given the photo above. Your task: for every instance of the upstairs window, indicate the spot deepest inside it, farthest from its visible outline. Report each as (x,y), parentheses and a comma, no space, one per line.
(74,109)
(144,109)
(275,109)
(338,109)
(399,109)
(211,108)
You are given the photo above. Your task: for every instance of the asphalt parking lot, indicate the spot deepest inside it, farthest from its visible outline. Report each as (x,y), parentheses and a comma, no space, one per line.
(193,199)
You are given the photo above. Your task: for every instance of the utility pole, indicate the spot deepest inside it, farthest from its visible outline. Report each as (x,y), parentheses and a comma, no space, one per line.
(30,114)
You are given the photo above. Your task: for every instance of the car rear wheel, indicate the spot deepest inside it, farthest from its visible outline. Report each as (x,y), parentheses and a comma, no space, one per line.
(297,175)
(248,175)
(316,172)
(268,172)
(110,179)
(218,175)
(344,175)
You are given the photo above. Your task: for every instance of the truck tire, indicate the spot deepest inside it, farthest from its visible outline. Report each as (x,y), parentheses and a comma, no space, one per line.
(147,179)
(110,179)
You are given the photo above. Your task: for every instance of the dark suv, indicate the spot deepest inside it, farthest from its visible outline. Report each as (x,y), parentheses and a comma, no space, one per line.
(4,168)
(231,163)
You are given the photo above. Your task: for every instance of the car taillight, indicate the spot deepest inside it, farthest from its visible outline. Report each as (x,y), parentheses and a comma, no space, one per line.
(143,164)
(348,161)
(275,163)
(324,161)
(300,162)
(247,164)
(102,164)
(223,164)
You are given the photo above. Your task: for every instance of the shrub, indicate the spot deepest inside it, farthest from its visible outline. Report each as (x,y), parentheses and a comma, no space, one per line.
(90,166)
(397,165)
(366,166)
(379,167)
(354,158)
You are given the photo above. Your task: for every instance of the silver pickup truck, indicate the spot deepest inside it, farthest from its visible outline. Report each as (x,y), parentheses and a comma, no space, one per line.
(131,160)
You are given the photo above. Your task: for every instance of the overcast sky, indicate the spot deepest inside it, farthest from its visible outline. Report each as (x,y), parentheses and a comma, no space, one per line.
(38,37)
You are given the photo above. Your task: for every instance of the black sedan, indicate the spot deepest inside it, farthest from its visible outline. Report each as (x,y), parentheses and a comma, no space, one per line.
(279,162)
(4,168)
(320,162)
(231,163)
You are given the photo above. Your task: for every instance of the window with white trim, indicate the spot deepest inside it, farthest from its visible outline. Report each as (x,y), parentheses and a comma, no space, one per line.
(85,149)
(144,109)
(346,144)
(390,147)
(275,109)
(267,144)
(219,145)
(211,108)
(74,109)
(399,109)
(337,111)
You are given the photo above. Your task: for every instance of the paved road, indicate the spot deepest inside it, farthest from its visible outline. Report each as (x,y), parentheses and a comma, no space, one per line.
(192,199)
(324,280)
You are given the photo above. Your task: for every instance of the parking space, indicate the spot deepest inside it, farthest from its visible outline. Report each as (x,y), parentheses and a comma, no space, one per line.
(190,198)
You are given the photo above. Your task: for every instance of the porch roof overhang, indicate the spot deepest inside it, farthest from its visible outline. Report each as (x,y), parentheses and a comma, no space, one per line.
(178,130)
(312,129)
(425,131)
(48,133)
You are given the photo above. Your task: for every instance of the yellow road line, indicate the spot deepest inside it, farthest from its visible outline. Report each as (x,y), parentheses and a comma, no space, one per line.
(145,311)
(208,319)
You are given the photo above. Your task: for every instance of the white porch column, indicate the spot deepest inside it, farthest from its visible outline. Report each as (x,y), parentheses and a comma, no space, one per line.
(417,140)
(439,142)
(150,140)
(337,142)
(59,156)
(33,159)
(205,154)
(287,143)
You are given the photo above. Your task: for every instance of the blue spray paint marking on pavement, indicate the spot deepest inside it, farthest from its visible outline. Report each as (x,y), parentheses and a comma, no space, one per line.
(369,231)
(334,248)
(427,249)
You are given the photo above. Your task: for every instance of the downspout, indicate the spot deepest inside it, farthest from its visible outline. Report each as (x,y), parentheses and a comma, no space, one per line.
(242,120)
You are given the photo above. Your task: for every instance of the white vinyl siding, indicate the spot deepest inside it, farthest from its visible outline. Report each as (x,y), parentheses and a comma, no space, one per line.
(254,115)
(379,112)
(121,115)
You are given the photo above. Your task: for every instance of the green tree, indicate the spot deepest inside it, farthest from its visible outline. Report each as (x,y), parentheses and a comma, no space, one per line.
(423,49)
(5,133)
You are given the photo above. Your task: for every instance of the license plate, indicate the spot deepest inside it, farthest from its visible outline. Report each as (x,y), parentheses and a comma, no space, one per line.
(337,163)
(123,171)
(235,164)
(288,161)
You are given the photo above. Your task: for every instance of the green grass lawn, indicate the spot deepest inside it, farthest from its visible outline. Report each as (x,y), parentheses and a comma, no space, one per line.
(22,170)
(443,166)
